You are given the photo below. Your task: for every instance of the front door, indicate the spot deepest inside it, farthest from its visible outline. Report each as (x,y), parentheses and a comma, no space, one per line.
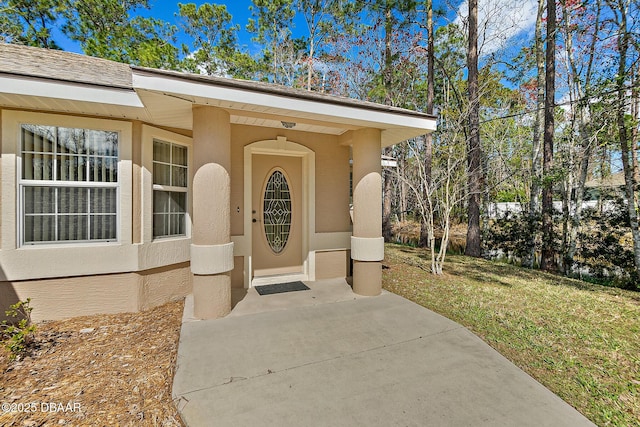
(276,215)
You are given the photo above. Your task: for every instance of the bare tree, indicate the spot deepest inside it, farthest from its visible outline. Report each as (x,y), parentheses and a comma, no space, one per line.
(620,8)
(548,250)
(426,234)
(534,201)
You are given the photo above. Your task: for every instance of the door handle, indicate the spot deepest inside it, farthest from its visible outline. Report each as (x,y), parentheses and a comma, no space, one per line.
(254,220)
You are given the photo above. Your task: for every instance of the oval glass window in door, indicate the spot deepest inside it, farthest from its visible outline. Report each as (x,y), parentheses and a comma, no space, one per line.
(276,208)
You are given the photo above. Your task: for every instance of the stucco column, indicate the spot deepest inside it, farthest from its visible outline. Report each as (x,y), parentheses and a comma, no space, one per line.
(367,244)
(211,247)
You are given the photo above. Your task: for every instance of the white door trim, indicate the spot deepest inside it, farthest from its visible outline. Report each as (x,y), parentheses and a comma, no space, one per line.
(281,147)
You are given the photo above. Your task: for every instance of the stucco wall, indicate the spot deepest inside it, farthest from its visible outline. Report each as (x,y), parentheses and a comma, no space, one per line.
(164,284)
(332,264)
(237,274)
(332,175)
(61,298)
(138,272)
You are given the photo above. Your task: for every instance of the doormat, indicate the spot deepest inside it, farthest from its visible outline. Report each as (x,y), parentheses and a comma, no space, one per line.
(281,288)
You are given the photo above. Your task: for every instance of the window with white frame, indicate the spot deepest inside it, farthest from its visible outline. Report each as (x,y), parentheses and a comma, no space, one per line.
(170,178)
(68,184)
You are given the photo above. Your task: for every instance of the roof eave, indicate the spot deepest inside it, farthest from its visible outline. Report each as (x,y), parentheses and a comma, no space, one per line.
(394,122)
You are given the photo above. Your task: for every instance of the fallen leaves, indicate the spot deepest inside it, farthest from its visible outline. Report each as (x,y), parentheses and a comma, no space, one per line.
(96,370)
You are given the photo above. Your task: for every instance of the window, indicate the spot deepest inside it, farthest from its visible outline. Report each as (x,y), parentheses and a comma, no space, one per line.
(277,211)
(68,184)
(170,177)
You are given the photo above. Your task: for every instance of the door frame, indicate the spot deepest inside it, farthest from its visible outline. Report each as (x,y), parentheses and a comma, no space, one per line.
(281,147)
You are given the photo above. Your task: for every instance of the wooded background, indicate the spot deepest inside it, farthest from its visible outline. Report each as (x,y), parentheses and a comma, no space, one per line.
(549,119)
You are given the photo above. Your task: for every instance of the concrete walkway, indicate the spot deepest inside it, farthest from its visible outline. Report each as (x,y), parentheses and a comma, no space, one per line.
(326,357)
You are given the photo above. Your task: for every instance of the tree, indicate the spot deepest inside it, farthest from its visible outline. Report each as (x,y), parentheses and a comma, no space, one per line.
(474,150)
(548,249)
(621,8)
(534,201)
(106,29)
(580,30)
(29,22)
(426,229)
(320,16)
(214,42)
(270,23)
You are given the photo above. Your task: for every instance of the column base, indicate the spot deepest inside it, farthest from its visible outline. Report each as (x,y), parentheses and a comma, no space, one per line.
(211,296)
(367,278)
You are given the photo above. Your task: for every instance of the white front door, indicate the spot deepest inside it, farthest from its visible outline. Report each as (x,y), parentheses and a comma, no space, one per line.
(276,225)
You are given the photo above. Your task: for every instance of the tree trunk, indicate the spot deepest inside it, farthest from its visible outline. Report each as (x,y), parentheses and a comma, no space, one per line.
(623,46)
(583,116)
(474,153)
(426,230)
(548,251)
(386,75)
(635,106)
(534,202)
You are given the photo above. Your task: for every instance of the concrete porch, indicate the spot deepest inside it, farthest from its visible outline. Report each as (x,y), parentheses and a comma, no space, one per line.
(329,357)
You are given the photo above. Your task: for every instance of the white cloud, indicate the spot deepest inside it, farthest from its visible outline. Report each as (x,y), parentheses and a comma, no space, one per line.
(499,21)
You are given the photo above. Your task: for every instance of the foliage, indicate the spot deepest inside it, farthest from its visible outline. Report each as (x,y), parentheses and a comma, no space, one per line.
(108,29)
(271,24)
(17,333)
(604,251)
(213,49)
(29,22)
(512,237)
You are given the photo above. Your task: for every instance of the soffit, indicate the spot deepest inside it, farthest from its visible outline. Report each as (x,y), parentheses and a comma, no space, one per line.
(175,111)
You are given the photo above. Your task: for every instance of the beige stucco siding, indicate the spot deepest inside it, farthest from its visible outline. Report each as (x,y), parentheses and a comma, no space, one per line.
(54,299)
(332,175)
(164,284)
(237,274)
(332,264)
(61,298)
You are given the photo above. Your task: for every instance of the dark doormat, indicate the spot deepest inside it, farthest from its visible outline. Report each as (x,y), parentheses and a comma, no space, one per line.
(281,288)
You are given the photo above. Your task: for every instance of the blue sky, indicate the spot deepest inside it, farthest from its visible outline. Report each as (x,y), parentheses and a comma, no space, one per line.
(166,10)
(239,9)
(512,20)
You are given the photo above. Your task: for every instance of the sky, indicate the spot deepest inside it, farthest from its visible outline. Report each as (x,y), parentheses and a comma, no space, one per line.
(502,23)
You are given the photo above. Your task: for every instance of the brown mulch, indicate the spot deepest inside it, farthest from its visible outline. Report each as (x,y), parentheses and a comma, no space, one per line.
(96,370)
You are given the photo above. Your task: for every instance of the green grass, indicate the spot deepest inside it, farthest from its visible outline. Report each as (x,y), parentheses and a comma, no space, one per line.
(582,341)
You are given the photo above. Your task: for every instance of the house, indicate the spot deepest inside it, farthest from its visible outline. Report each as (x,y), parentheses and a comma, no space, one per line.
(125,187)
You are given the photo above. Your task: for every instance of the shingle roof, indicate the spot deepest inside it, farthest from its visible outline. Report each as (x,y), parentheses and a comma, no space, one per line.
(73,67)
(65,66)
(286,91)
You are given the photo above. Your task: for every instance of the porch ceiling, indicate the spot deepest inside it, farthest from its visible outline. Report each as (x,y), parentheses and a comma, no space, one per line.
(174,110)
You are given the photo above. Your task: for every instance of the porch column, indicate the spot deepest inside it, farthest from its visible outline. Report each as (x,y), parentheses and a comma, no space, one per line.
(211,246)
(367,244)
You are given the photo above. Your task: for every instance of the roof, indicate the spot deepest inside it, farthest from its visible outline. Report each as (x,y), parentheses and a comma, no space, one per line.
(271,88)
(63,66)
(39,79)
(610,181)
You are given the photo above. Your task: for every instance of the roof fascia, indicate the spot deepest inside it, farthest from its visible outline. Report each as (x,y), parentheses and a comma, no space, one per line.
(326,111)
(30,86)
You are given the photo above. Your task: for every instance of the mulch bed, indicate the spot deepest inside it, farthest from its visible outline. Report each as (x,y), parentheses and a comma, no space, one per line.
(96,370)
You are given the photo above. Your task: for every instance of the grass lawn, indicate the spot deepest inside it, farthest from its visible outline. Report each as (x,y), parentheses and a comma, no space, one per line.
(581,341)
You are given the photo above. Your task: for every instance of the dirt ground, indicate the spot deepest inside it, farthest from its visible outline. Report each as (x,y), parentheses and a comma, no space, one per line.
(95,371)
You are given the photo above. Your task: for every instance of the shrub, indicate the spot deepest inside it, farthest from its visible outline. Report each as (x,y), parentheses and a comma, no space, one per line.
(17,334)
(605,248)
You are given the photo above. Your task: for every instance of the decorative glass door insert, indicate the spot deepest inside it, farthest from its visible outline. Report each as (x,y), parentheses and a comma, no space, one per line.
(277,211)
